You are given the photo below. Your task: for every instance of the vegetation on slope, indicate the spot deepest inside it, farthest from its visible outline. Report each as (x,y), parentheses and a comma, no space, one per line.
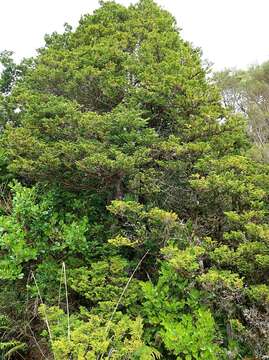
(134,219)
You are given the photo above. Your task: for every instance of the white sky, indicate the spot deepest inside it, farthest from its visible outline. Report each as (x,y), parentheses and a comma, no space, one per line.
(232,33)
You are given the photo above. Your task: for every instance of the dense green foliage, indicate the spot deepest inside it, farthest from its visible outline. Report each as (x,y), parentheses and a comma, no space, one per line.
(134,219)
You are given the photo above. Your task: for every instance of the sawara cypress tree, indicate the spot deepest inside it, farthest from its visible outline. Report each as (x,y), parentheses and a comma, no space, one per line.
(133,193)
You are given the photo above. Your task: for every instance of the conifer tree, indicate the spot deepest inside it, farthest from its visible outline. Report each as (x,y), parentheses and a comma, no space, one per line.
(133,214)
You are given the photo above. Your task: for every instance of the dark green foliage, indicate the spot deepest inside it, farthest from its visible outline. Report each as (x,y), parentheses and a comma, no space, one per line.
(10,72)
(134,218)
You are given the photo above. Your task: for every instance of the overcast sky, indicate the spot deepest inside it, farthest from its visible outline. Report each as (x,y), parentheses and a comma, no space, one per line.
(231,33)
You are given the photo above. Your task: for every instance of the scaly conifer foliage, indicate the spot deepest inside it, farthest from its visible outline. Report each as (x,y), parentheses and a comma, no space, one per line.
(133,224)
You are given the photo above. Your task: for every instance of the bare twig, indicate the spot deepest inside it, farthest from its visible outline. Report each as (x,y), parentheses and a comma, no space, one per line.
(67,303)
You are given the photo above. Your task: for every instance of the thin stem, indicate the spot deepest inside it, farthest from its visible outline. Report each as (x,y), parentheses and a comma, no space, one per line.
(67,304)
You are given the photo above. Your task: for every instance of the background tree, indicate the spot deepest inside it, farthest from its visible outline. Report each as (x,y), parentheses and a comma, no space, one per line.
(248,92)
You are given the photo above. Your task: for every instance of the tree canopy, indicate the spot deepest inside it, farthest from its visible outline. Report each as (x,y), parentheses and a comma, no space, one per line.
(247,91)
(133,216)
